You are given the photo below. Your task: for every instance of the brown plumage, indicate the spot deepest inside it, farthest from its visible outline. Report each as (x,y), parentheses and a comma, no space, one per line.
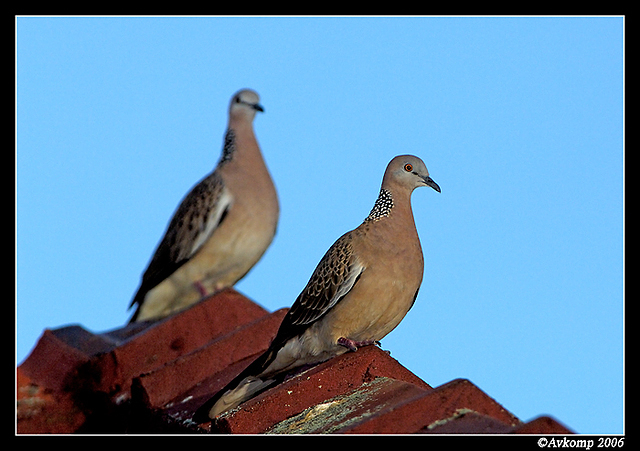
(221,228)
(359,292)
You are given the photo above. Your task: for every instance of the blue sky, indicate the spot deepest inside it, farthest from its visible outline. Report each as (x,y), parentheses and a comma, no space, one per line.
(519,120)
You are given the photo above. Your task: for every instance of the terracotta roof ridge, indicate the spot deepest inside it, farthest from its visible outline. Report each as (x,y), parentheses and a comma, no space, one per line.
(152,377)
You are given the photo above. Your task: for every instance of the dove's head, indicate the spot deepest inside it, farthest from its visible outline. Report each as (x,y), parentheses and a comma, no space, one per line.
(409,172)
(245,103)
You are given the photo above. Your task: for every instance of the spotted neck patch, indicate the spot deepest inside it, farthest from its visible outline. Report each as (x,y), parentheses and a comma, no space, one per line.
(382,207)
(229,146)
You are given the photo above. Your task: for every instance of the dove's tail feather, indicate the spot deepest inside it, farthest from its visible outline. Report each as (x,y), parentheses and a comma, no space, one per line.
(242,388)
(247,389)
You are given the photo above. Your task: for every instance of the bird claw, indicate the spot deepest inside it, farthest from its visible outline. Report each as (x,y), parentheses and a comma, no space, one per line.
(354,345)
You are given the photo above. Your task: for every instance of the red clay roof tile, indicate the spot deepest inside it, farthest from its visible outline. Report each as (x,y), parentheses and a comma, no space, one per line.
(315,385)
(466,421)
(41,411)
(339,413)
(542,425)
(151,378)
(169,381)
(436,405)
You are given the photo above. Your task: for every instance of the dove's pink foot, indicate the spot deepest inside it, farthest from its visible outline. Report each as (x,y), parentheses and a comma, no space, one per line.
(201,289)
(354,345)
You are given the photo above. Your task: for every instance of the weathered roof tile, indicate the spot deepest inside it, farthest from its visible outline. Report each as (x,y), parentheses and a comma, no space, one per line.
(150,378)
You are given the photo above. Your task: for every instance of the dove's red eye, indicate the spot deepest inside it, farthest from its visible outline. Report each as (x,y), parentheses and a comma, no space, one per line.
(408,167)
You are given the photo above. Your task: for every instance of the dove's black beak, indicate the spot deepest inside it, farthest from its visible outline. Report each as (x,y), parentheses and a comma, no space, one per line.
(429,182)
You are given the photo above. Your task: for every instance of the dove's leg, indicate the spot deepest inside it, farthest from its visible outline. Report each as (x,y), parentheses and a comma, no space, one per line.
(201,289)
(354,345)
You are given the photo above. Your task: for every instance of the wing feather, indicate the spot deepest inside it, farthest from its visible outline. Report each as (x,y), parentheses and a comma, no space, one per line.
(333,278)
(194,221)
